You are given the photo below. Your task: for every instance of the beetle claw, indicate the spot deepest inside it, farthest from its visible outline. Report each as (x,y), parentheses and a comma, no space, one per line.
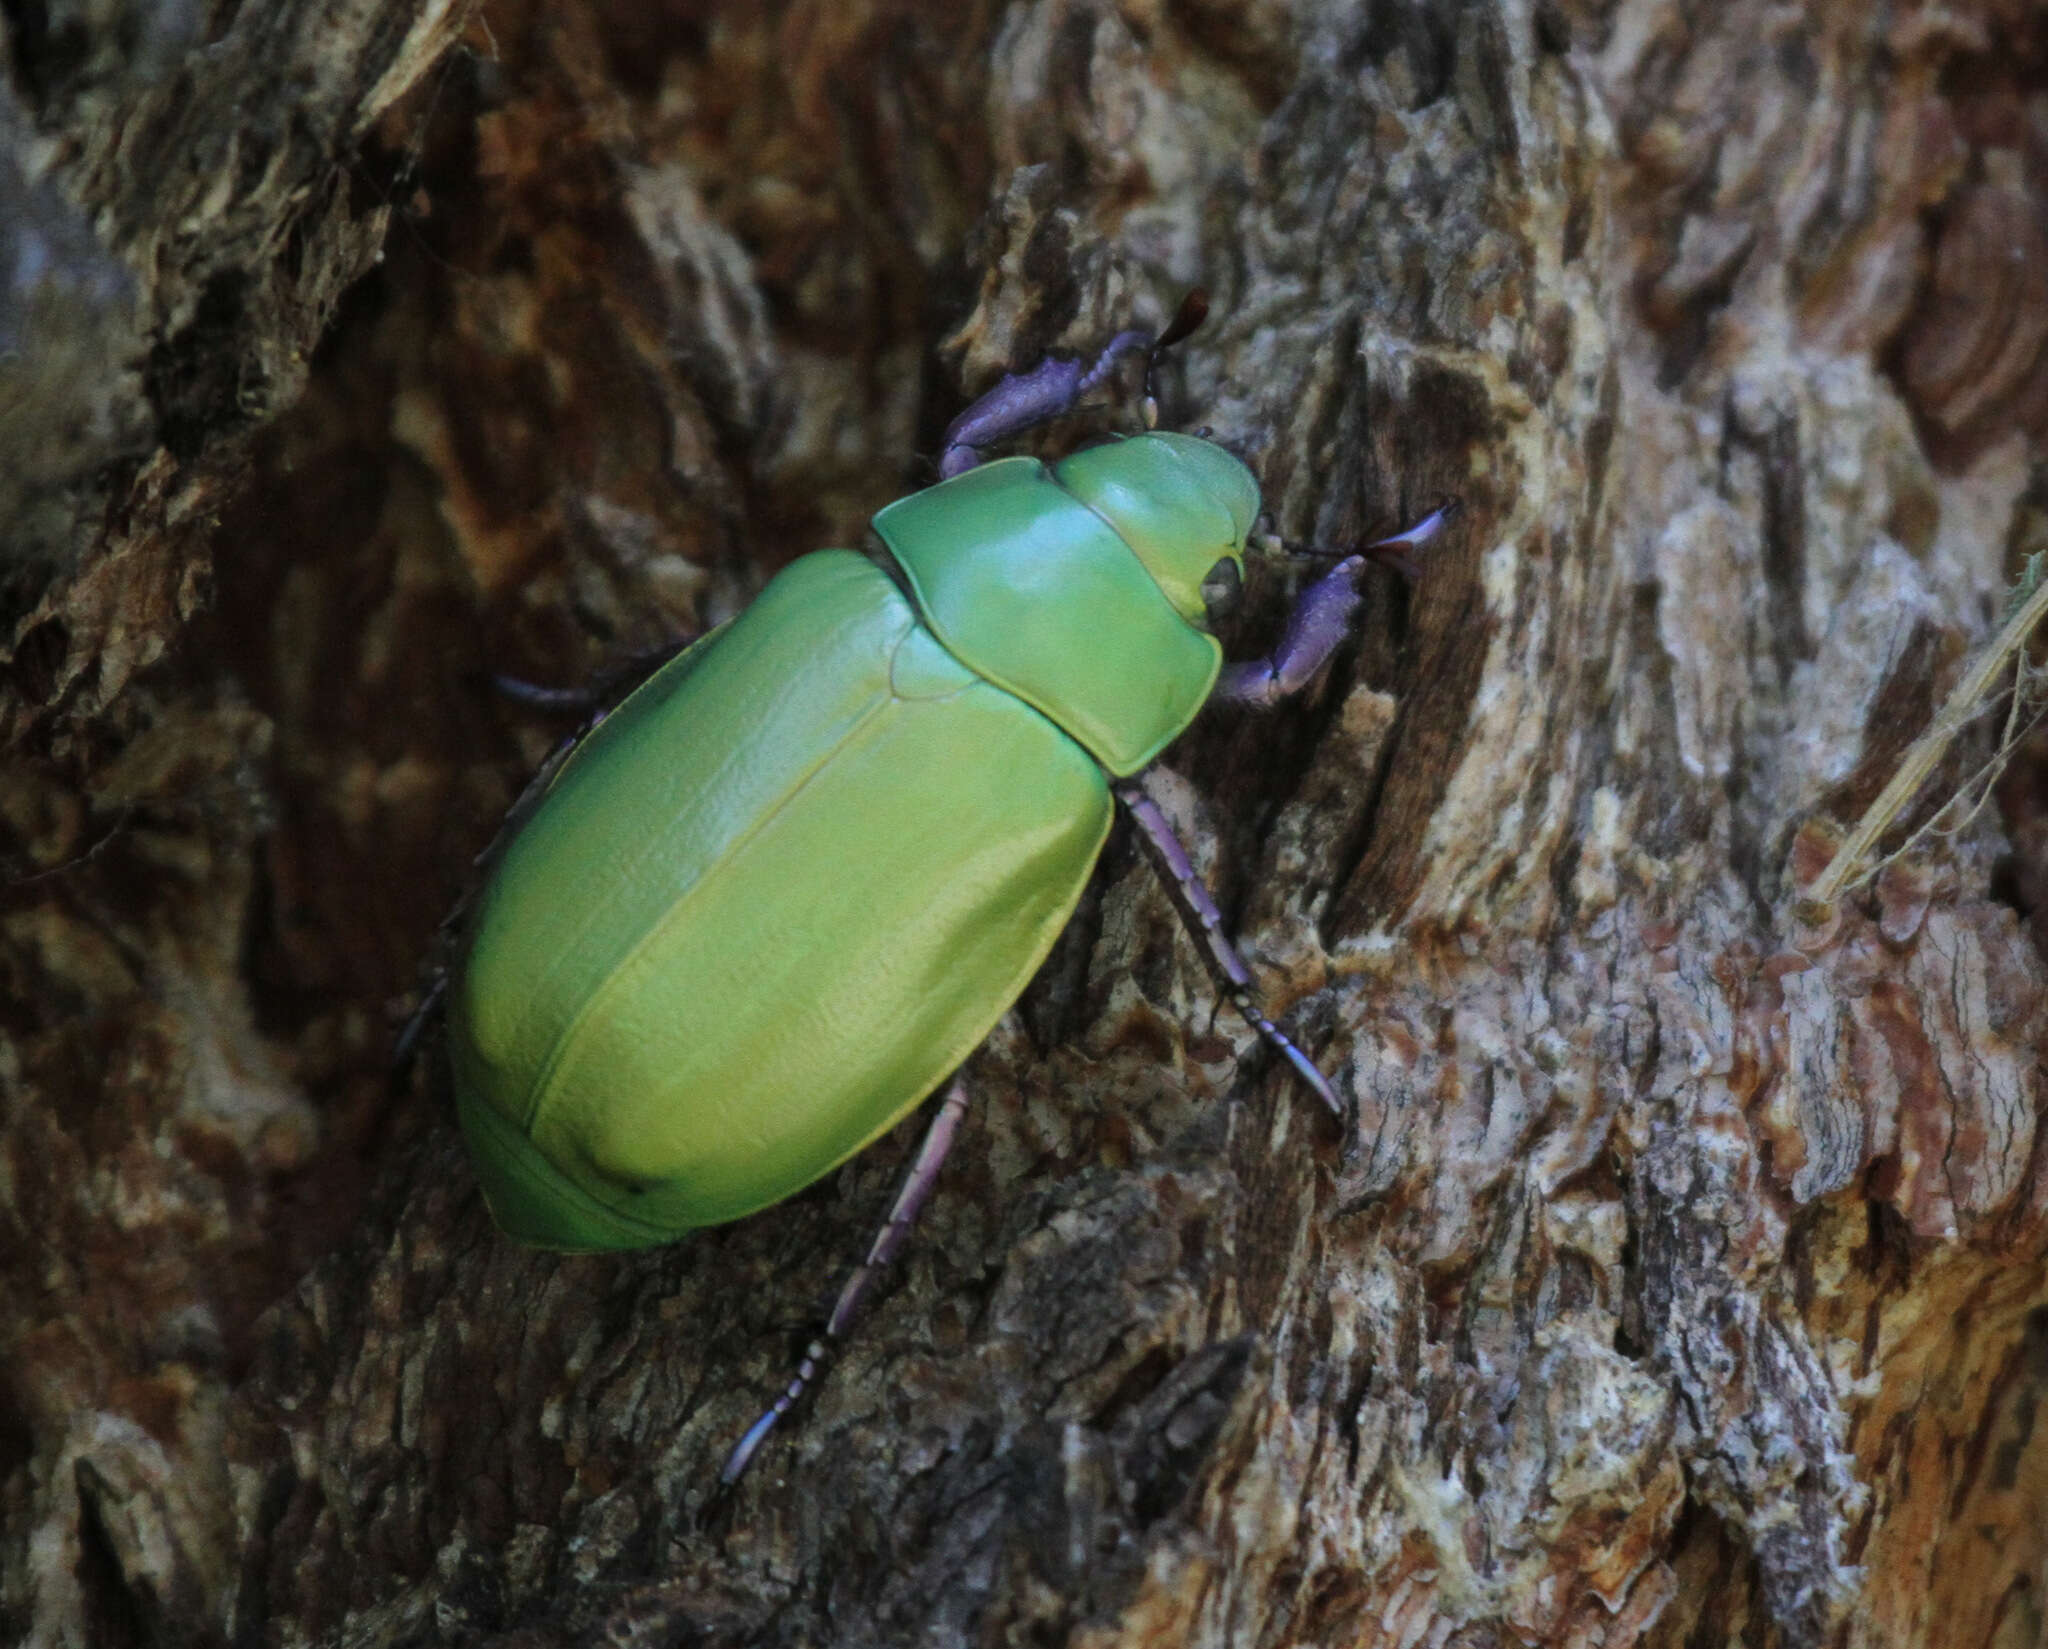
(742,1455)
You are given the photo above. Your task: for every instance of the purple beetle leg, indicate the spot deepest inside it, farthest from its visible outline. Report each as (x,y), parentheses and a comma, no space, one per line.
(1048,390)
(910,1201)
(1203,920)
(1320,621)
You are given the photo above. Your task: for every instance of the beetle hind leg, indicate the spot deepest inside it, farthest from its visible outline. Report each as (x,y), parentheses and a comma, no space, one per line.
(1198,911)
(910,1201)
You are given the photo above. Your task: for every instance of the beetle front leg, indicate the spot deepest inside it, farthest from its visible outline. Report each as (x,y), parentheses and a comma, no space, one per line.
(1202,918)
(910,1201)
(1320,621)
(1055,387)
(1025,399)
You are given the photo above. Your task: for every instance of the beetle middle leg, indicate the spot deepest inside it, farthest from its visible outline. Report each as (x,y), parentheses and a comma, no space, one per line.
(910,1201)
(1198,911)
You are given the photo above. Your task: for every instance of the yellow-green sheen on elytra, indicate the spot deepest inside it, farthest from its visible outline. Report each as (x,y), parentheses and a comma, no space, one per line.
(797,876)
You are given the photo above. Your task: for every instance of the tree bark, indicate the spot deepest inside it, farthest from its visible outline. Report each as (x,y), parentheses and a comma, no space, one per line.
(1680,1280)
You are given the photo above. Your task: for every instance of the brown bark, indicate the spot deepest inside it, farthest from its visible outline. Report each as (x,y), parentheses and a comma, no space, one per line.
(1682,1281)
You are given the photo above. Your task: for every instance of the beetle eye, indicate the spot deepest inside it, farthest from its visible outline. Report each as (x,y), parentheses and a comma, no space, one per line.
(1221,588)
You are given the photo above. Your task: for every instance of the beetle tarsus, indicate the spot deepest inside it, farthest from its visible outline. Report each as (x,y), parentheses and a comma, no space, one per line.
(1304,1067)
(910,1201)
(1198,911)
(816,1356)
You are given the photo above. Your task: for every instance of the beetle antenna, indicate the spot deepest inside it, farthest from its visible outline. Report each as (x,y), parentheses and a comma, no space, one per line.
(406,1049)
(1193,311)
(552,701)
(1388,552)
(603,692)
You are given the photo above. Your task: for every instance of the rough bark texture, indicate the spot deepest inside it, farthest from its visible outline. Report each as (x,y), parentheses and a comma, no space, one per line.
(1682,1280)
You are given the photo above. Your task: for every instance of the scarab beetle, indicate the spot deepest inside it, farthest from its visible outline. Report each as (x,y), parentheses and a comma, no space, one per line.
(782,890)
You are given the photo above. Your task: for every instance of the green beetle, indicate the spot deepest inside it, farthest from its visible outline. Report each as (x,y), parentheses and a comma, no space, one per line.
(790,883)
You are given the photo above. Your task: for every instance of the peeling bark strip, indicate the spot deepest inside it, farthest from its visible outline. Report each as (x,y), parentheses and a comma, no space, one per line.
(1683,1284)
